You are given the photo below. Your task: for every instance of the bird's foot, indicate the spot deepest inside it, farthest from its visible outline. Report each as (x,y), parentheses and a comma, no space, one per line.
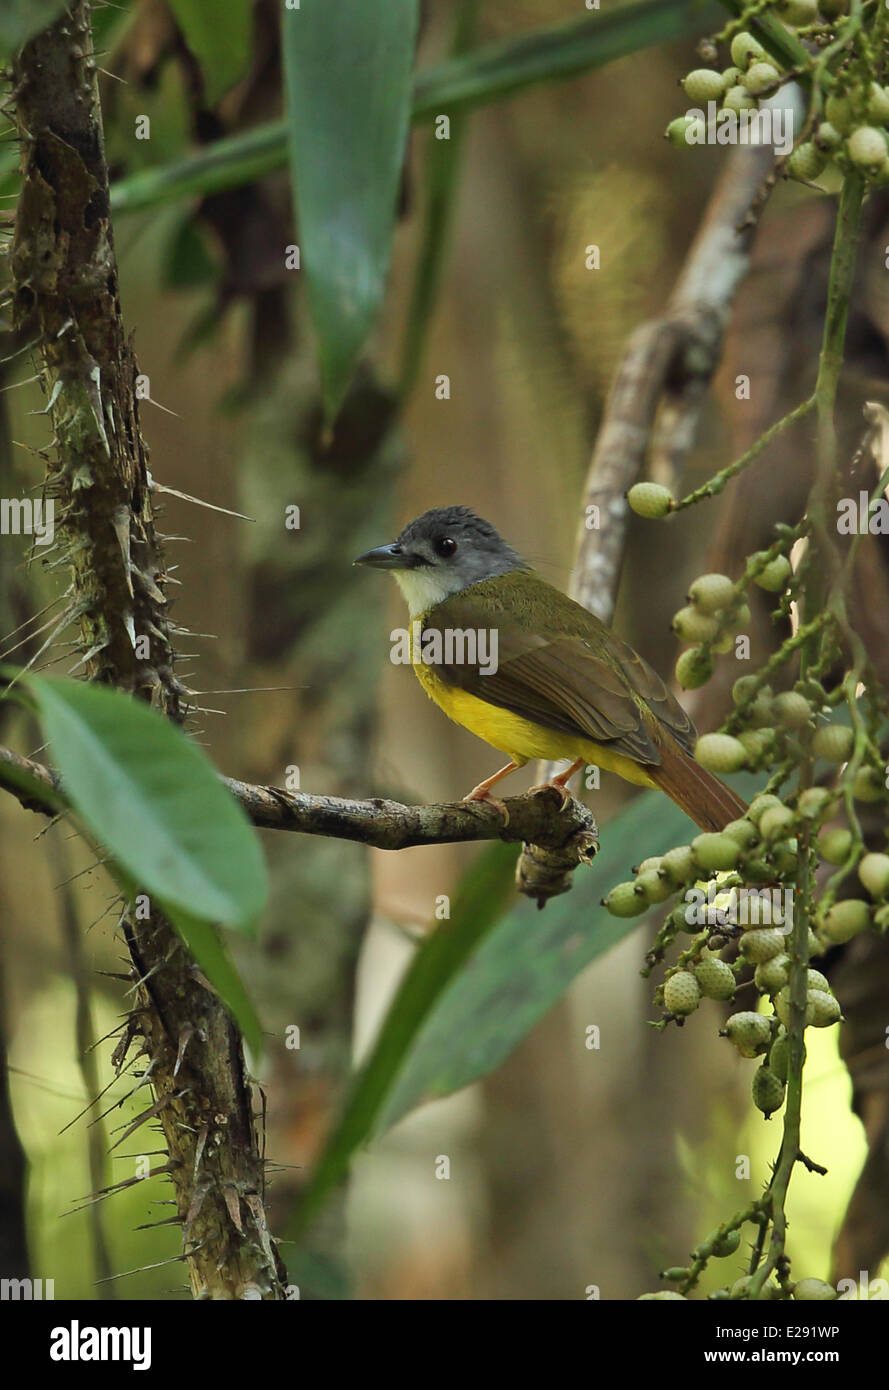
(483,793)
(554,786)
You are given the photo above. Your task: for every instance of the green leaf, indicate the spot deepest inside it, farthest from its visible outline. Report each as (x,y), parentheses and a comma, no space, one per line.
(148,794)
(210,953)
(486,74)
(347,70)
(219,36)
(20,20)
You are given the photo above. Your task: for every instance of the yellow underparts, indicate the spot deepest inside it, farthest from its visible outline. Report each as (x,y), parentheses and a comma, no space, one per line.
(521,739)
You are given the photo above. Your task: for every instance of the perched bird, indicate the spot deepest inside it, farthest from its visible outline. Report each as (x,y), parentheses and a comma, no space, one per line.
(535,674)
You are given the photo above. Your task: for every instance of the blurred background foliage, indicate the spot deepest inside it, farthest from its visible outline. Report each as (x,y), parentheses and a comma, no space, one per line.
(569,1167)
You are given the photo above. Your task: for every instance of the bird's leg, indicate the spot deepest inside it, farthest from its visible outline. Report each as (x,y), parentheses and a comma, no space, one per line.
(483,791)
(559,783)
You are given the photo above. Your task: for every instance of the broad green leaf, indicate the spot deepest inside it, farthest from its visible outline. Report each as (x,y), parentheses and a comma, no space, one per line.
(210,953)
(148,794)
(21,20)
(478,986)
(347,69)
(220,37)
(486,74)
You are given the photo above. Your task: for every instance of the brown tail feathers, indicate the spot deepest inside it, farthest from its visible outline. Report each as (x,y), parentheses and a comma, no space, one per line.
(709,802)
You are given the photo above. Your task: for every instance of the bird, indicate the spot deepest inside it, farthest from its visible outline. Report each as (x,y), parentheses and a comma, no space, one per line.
(535,674)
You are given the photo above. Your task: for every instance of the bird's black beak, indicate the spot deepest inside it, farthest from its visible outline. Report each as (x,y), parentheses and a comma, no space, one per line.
(387,557)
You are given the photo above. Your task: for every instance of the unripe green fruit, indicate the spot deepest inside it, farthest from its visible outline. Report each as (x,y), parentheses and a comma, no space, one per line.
(678,865)
(867,147)
(785,856)
(757,870)
(760,78)
(726,1244)
(825,1008)
(682,993)
(792,710)
(813,803)
(724,644)
(762,944)
(739,617)
(742,832)
(881,918)
(711,592)
(760,804)
(716,979)
(661,1295)
(743,688)
(738,99)
(653,888)
(775,822)
(772,975)
(703,85)
(838,112)
(682,133)
(651,499)
(877,104)
(624,901)
(745,49)
(813,1291)
(757,744)
(833,743)
(694,668)
(845,919)
(815,980)
(805,164)
(779,1056)
(730,78)
(774,576)
(782,1007)
(874,874)
(676,1273)
(760,711)
(827,138)
(767,1090)
(715,851)
(799,13)
(749,1032)
(691,625)
(868,785)
(720,752)
(834,845)
(653,863)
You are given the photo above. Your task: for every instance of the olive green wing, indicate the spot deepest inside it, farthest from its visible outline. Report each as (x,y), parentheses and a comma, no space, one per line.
(585,682)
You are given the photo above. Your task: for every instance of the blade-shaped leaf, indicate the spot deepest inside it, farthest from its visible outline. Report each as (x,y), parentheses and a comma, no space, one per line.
(219,37)
(211,955)
(149,795)
(348,81)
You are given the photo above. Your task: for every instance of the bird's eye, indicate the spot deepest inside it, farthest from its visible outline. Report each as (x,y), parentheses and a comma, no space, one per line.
(445,547)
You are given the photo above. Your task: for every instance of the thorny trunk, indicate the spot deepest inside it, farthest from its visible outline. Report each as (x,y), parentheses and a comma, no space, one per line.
(66,298)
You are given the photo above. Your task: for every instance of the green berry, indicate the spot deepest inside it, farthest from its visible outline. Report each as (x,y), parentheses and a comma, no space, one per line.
(874,874)
(771,975)
(678,865)
(767,1090)
(662,1294)
(682,993)
(743,688)
(624,901)
(757,744)
(725,1244)
(868,785)
(775,821)
(833,743)
(827,137)
(785,856)
(653,888)
(711,592)
(815,980)
(691,625)
(756,870)
(813,1291)
(760,804)
(738,99)
(782,1007)
(694,668)
(651,499)
(713,852)
(720,752)
(813,803)
(760,78)
(799,13)
(845,919)
(838,112)
(716,979)
(703,85)
(730,77)
(750,1033)
(745,49)
(825,1008)
(792,710)
(834,845)
(805,164)
(762,944)
(774,576)
(867,147)
(779,1055)
(877,104)
(741,831)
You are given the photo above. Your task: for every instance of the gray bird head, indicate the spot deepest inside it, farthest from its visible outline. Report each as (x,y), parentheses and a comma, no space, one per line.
(440,553)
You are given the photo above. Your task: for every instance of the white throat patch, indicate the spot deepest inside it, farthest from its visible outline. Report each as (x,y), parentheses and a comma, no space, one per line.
(424,588)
